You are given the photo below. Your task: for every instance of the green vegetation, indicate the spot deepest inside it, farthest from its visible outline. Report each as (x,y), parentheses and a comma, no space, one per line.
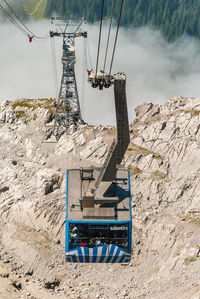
(35,8)
(20,113)
(29,105)
(23,104)
(172,17)
(138,149)
(136,171)
(158,175)
(192,112)
(34,104)
(134,148)
(193,259)
(194,218)
(157,156)
(25,8)
(29,6)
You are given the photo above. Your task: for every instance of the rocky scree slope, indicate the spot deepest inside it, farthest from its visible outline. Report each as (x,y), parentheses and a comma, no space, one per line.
(163,158)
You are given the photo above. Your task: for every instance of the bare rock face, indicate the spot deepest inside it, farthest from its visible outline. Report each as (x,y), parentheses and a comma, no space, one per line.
(47,181)
(164,162)
(65,145)
(143,109)
(171,163)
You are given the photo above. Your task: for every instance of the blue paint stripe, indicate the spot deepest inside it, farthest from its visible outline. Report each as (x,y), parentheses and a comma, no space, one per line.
(116,255)
(122,258)
(110,253)
(130,237)
(129,183)
(74,258)
(94,258)
(130,223)
(103,254)
(86,254)
(67,236)
(80,254)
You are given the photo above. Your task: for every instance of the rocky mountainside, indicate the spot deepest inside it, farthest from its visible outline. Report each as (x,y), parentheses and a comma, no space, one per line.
(163,158)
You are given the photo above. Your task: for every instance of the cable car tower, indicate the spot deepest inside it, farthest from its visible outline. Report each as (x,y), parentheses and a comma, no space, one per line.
(68,110)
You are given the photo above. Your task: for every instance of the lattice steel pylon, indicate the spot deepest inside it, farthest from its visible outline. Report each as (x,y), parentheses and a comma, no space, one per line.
(68,110)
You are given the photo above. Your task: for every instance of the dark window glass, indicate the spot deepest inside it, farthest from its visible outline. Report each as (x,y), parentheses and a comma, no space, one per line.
(93,235)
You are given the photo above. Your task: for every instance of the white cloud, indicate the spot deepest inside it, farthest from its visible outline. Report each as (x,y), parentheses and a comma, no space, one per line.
(155,69)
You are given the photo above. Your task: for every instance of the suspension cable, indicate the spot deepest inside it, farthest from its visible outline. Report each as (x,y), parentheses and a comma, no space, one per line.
(119,19)
(85,60)
(99,43)
(17,17)
(85,65)
(88,49)
(54,66)
(28,30)
(108,38)
(12,20)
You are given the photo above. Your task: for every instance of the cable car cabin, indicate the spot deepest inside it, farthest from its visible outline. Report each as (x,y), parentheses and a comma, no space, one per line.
(98,221)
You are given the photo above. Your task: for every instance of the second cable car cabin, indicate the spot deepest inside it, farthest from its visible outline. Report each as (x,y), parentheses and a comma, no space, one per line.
(98,228)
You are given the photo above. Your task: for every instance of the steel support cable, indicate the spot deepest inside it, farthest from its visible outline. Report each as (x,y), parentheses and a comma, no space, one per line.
(85,53)
(116,36)
(99,43)
(41,40)
(88,49)
(83,75)
(16,24)
(12,20)
(28,30)
(109,30)
(54,66)
(88,64)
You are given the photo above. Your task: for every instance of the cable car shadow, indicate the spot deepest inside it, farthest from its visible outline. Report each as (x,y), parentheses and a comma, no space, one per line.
(116,191)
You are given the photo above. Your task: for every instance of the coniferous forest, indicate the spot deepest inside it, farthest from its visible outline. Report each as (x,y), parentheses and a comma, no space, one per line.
(172,17)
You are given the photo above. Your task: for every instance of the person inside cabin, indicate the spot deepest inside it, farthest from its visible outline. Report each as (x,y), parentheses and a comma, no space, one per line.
(91,243)
(83,243)
(73,243)
(98,243)
(105,242)
(73,235)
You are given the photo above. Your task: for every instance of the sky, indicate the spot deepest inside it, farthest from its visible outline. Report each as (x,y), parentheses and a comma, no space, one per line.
(155,70)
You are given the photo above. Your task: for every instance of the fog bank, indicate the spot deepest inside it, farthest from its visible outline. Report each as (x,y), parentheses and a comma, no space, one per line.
(155,69)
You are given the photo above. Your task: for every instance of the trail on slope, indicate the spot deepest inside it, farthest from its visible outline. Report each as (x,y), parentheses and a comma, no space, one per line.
(36,7)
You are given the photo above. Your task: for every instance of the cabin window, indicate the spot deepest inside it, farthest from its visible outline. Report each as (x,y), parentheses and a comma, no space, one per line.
(94,235)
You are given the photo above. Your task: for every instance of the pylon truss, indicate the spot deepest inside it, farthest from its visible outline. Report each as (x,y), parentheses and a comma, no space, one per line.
(68,110)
